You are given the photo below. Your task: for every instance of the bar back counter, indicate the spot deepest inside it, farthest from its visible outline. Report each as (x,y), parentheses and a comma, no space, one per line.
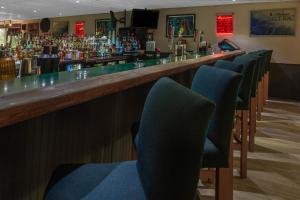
(78,117)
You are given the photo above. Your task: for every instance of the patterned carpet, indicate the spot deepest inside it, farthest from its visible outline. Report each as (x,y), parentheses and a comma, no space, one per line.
(274,169)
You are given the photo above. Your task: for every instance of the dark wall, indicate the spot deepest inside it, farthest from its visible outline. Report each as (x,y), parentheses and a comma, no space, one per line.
(285,81)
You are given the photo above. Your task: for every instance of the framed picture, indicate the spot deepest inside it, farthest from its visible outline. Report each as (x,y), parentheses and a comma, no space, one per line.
(60,28)
(103,27)
(181,23)
(273,22)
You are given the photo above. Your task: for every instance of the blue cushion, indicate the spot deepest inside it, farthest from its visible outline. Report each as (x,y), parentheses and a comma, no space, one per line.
(122,183)
(248,77)
(224,64)
(213,157)
(100,181)
(80,182)
(221,87)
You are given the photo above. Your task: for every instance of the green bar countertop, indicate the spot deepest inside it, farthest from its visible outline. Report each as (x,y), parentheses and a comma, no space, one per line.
(39,81)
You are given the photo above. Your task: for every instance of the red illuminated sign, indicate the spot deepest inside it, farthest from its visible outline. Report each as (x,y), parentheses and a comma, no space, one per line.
(224,24)
(79,29)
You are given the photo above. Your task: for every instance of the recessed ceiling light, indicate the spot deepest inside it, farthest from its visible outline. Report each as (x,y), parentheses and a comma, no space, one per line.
(2,7)
(77,1)
(35,11)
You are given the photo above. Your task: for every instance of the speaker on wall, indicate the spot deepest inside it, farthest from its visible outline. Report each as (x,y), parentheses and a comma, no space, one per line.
(45,25)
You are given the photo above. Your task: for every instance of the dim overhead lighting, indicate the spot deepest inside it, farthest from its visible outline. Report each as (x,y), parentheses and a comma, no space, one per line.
(77,1)
(2,7)
(35,11)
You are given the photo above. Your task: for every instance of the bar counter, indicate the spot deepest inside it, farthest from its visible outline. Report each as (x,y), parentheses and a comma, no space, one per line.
(51,92)
(76,117)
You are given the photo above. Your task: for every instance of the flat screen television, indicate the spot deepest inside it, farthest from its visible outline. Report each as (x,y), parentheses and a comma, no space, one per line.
(144,18)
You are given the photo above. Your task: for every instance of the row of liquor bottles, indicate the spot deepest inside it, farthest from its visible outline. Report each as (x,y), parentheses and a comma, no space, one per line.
(102,46)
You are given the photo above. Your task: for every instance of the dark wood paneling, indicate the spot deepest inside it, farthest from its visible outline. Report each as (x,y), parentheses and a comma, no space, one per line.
(285,81)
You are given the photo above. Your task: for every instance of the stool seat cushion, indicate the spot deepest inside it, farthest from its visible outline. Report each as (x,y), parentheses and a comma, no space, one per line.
(100,181)
(249,79)
(213,157)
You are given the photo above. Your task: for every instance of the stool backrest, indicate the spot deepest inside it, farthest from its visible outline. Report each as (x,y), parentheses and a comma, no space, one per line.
(228,65)
(269,53)
(250,65)
(221,87)
(257,72)
(171,140)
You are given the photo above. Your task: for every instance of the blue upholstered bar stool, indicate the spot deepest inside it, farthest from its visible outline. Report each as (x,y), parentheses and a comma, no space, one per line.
(221,87)
(243,104)
(267,75)
(260,93)
(263,81)
(170,146)
(257,96)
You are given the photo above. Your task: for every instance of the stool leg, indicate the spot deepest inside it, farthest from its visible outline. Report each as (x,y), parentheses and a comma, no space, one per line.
(262,94)
(259,102)
(244,145)
(267,86)
(252,125)
(224,179)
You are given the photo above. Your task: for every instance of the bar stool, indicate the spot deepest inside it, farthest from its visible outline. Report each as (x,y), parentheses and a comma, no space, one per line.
(260,87)
(255,96)
(170,147)
(266,54)
(250,73)
(221,87)
(7,69)
(267,75)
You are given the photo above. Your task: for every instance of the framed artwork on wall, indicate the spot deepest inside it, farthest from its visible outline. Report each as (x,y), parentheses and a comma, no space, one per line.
(182,25)
(103,27)
(60,28)
(273,22)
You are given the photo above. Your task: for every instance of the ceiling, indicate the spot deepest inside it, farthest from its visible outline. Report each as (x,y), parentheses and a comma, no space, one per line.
(33,9)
